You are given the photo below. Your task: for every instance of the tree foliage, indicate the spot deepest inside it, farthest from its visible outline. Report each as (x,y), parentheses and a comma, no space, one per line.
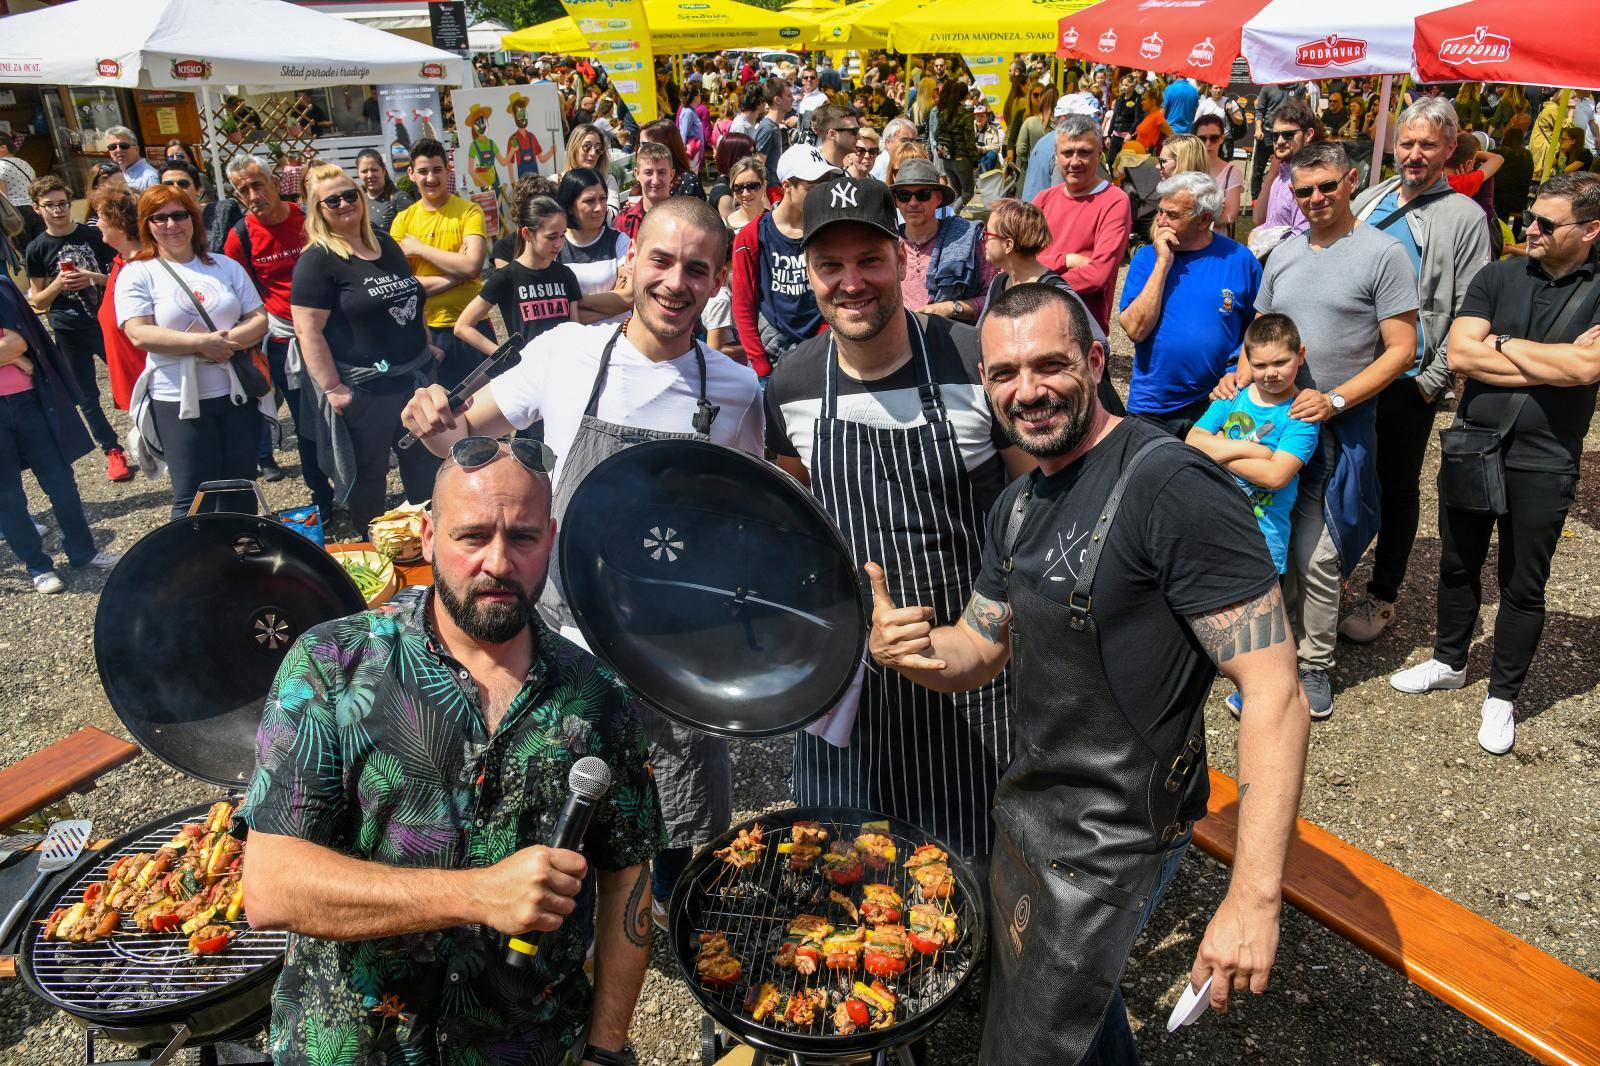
(517,14)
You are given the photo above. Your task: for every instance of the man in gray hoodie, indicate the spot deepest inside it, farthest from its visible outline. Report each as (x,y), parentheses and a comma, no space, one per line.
(1446,236)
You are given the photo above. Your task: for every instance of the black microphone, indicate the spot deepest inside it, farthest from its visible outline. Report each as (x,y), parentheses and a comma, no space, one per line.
(587,783)
(504,358)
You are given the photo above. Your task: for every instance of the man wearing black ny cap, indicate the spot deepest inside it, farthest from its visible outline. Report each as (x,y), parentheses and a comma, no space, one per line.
(885,417)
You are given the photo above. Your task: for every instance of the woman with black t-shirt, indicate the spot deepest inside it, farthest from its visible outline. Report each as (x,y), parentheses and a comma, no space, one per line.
(1012,239)
(594,249)
(358,316)
(534,292)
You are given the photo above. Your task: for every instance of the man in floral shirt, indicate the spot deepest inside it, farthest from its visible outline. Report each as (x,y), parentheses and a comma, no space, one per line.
(410,761)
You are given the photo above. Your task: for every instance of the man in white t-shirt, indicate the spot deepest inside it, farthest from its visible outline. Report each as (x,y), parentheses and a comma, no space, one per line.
(600,389)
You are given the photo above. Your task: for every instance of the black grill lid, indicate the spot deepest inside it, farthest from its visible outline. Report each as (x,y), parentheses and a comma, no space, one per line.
(714,585)
(192,625)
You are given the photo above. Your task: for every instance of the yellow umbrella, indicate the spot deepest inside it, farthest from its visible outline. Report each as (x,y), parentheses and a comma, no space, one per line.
(863,25)
(1004,26)
(819,7)
(559,36)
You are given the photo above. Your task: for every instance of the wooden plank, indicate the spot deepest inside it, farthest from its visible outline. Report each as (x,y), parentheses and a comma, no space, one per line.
(72,764)
(1528,997)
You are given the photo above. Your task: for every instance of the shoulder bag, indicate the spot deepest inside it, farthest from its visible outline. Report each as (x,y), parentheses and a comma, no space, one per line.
(1472,464)
(249,364)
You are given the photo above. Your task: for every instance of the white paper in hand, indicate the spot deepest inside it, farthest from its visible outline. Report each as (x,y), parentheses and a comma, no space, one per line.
(1190,1006)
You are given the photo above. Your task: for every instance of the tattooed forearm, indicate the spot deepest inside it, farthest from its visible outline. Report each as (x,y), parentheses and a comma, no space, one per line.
(636,913)
(988,618)
(1242,627)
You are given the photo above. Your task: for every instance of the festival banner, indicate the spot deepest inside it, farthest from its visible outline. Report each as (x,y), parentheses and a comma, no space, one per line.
(619,37)
(992,74)
(409,113)
(504,133)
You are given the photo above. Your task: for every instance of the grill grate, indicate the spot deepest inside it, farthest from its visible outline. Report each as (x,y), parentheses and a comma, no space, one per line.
(754,910)
(130,972)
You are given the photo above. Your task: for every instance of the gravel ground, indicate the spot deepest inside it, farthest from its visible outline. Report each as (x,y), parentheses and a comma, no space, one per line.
(1514,839)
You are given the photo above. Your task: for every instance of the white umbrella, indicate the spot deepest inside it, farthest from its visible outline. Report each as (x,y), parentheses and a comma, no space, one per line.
(1292,40)
(189,44)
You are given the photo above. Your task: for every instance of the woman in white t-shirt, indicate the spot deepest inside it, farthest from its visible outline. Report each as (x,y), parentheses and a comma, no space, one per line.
(594,250)
(204,425)
(1225,172)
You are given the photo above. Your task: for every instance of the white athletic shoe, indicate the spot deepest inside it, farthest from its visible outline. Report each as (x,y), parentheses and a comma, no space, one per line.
(1499,729)
(1428,677)
(49,583)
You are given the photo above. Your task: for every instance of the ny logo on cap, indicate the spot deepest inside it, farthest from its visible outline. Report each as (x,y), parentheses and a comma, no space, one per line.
(844,195)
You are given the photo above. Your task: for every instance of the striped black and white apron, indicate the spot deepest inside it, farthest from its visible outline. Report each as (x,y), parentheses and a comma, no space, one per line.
(902,499)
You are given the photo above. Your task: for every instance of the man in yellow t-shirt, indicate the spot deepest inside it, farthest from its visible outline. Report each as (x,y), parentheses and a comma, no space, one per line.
(443,237)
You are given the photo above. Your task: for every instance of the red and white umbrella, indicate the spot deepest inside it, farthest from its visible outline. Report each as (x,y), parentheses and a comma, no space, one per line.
(1291,40)
(1527,42)
(1199,38)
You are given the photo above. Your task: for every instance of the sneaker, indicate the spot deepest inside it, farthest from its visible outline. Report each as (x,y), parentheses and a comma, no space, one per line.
(117,466)
(1499,729)
(271,471)
(1235,703)
(101,561)
(658,914)
(1319,691)
(1367,620)
(48,583)
(1428,677)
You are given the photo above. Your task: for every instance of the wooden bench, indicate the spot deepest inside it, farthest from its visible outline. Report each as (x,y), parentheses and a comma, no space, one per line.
(47,777)
(1507,985)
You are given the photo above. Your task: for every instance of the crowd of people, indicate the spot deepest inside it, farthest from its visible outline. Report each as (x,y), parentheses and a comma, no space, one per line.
(931,362)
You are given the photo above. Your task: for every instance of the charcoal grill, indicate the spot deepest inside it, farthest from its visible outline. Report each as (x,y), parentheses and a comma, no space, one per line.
(140,989)
(753,909)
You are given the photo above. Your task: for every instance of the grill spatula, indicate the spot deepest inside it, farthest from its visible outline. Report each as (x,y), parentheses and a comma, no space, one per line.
(62,845)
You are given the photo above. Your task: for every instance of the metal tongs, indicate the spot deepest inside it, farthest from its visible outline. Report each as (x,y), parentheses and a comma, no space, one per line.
(504,358)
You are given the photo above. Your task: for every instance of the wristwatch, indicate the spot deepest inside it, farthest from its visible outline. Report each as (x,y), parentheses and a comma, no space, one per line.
(1336,400)
(1500,341)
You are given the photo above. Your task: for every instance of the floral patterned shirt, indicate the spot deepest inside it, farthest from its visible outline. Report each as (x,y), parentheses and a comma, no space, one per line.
(373,744)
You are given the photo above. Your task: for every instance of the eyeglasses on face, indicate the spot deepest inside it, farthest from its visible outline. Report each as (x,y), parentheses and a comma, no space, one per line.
(119,146)
(169,218)
(57,205)
(921,196)
(474,453)
(1326,188)
(1287,135)
(347,196)
(177,183)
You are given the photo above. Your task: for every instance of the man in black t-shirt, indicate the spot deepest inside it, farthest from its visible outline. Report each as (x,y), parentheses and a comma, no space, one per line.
(67,266)
(1528,335)
(1131,571)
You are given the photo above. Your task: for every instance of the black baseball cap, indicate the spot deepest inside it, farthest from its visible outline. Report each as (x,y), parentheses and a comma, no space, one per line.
(867,201)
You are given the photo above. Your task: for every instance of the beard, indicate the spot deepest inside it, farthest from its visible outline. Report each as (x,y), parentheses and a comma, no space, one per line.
(886,307)
(1071,434)
(489,622)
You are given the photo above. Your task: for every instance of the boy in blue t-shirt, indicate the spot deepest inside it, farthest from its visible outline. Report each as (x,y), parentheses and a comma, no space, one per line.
(1253,437)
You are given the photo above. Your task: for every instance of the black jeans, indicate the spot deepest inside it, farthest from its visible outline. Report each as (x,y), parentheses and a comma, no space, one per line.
(1181,421)
(1260,157)
(321,486)
(1405,422)
(26,441)
(1537,505)
(373,419)
(80,347)
(219,444)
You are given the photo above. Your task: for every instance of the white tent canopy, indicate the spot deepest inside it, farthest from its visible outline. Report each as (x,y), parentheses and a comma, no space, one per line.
(188,44)
(1292,40)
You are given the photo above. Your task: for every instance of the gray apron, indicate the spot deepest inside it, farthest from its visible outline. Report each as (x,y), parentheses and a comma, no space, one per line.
(691,768)
(1083,820)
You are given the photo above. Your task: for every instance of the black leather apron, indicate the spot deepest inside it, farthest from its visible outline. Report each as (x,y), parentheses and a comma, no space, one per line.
(1083,821)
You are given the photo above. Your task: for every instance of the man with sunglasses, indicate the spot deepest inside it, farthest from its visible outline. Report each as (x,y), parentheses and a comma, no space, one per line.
(406,786)
(602,388)
(773,306)
(220,215)
(837,129)
(1446,238)
(1292,128)
(1351,291)
(122,147)
(267,242)
(1528,343)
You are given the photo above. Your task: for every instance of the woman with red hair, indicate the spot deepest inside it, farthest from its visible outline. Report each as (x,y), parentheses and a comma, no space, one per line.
(191,312)
(119,226)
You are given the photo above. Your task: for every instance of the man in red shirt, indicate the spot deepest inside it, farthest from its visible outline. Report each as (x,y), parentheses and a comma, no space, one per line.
(267,242)
(1090,218)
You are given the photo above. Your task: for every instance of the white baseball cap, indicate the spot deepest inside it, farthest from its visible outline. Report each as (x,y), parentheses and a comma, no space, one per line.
(803,161)
(1078,104)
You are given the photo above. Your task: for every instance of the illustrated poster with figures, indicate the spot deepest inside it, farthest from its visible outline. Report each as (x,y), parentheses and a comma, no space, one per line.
(505,133)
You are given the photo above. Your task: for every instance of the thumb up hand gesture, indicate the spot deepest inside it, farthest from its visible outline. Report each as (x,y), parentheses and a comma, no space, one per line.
(900,636)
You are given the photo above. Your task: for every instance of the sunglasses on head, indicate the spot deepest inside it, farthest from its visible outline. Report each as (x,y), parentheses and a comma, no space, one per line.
(348,196)
(921,196)
(1287,135)
(165,217)
(1529,220)
(475,453)
(1326,188)
(178,183)
(745,187)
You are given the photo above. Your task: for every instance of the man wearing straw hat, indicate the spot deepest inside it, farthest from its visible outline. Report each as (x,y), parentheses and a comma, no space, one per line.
(523,152)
